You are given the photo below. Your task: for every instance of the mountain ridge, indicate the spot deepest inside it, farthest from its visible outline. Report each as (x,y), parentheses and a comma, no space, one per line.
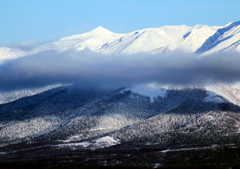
(200,39)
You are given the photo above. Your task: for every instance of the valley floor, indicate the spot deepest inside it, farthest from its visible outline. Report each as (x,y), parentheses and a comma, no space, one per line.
(125,156)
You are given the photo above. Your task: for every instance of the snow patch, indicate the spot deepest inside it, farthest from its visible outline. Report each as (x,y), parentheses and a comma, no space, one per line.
(107,139)
(73,138)
(102,142)
(157,165)
(212,117)
(83,144)
(3,145)
(150,90)
(213,97)
(214,146)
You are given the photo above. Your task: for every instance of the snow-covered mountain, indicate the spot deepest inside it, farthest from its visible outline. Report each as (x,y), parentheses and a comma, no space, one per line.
(201,39)
(65,120)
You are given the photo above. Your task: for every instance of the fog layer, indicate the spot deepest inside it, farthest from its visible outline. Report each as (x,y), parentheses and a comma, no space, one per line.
(89,69)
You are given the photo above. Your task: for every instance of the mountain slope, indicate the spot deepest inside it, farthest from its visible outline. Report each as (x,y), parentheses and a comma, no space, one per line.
(65,108)
(68,122)
(224,39)
(147,40)
(195,38)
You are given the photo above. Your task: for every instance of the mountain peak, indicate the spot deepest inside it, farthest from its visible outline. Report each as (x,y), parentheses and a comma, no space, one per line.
(100,30)
(95,32)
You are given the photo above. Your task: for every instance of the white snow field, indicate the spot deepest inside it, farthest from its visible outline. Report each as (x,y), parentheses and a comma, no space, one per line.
(102,142)
(151,90)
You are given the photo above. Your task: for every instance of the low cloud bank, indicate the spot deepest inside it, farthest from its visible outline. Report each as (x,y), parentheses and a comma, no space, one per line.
(89,69)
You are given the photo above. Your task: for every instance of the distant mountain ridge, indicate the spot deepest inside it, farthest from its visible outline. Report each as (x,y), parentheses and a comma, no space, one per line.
(200,39)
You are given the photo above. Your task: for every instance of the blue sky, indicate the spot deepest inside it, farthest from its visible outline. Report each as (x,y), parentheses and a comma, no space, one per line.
(49,20)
